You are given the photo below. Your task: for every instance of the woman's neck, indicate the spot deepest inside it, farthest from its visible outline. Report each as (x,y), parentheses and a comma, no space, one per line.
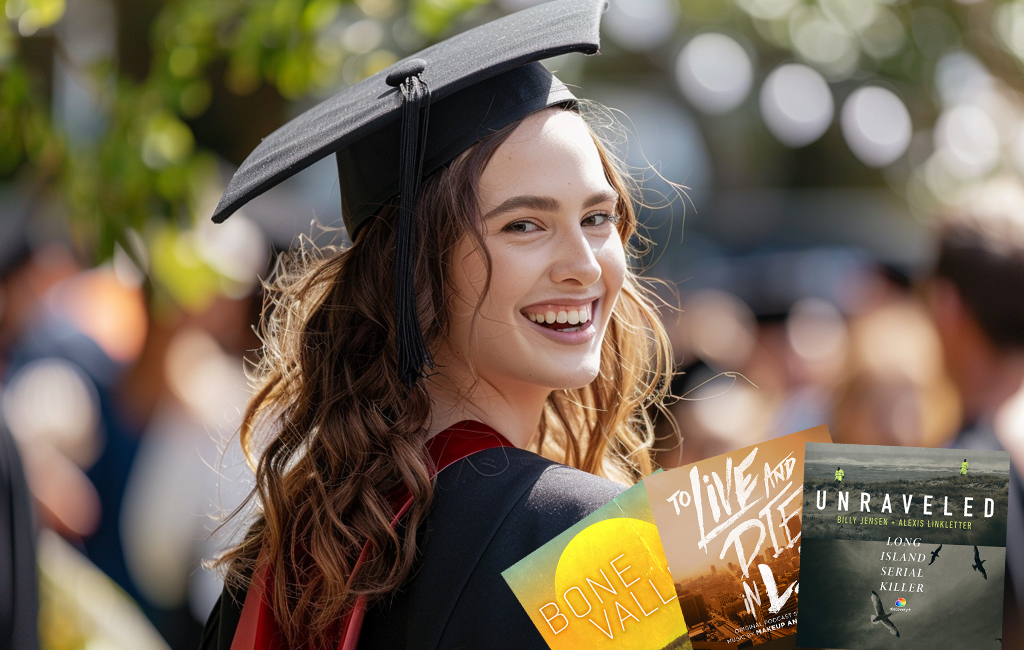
(513,410)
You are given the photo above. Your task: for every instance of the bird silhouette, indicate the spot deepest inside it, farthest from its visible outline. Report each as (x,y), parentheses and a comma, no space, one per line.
(935,554)
(978,562)
(881,617)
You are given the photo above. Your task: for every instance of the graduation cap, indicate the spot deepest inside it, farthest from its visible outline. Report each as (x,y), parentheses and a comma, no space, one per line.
(390,130)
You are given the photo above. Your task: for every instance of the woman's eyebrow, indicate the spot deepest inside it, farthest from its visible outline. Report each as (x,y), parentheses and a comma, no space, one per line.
(529,201)
(546,203)
(604,196)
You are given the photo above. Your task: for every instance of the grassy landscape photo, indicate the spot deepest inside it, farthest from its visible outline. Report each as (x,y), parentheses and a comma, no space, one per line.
(909,477)
(986,531)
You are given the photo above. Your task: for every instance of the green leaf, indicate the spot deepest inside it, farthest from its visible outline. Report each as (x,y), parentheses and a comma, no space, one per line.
(167,141)
(33,15)
(435,16)
(319,14)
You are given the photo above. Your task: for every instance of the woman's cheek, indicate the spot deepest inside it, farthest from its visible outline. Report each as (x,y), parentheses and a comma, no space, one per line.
(613,266)
(513,275)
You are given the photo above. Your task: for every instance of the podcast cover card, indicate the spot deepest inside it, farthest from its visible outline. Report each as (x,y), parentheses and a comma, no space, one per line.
(903,547)
(603,583)
(731,529)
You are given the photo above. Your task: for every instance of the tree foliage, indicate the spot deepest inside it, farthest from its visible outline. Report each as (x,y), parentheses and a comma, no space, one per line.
(135,170)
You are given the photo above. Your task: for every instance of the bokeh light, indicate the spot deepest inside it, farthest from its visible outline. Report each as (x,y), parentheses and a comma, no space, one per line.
(714,72)
(816,330)
(719,329)
(1017,149)
(961,78)
(767,9)
(856,15)
(824,42)
(363,36)
(967,142)
(997,204)
(52,402)
(796,104)
(1008,23)
(885,36)
(237,250)
(640,25)
(876,125)
(730,410)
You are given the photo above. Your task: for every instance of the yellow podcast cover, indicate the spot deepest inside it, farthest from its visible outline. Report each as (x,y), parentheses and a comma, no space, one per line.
(603,583)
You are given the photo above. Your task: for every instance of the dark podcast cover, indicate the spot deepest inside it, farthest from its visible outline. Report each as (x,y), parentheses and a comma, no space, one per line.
(902,547)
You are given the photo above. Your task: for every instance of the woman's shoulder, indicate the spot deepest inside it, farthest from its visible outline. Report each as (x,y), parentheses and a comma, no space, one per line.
(560,496)
(517,483)
(490,511)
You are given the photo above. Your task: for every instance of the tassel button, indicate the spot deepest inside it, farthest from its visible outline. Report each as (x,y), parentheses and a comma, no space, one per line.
(403,71)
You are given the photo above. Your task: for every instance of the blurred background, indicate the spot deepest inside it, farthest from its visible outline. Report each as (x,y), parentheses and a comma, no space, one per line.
(848,248)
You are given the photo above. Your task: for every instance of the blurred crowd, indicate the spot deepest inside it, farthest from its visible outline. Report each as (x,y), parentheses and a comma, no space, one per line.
(123,407)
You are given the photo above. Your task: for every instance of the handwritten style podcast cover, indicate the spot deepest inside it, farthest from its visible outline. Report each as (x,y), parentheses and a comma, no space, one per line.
(731,531)
(603,583)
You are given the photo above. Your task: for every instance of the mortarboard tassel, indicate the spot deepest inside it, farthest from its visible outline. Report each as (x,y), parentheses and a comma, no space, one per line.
(412,349)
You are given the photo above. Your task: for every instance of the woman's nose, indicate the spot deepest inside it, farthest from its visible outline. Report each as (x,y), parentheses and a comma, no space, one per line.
(575,259)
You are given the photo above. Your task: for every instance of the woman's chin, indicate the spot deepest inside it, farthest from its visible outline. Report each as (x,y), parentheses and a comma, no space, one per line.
(569,376)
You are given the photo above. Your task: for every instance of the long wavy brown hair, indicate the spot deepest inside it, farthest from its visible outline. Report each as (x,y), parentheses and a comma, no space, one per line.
(331,430)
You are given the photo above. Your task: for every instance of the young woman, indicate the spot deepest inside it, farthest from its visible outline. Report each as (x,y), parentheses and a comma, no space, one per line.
(546,353)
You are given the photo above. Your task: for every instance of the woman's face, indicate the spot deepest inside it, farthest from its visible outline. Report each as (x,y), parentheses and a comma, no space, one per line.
(557,261)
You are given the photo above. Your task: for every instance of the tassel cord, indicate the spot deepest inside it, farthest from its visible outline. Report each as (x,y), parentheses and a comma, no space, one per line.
(412,350)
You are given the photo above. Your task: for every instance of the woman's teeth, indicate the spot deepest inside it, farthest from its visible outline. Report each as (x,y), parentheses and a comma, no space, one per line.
(570,317)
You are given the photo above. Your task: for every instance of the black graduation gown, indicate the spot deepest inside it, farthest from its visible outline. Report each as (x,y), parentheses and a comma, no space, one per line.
(490,511)
(19,623)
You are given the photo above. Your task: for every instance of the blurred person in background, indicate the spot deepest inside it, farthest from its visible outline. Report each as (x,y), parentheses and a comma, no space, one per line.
(74,333)
(57,322)
(714,333)
(190,382)
(763,351)
(756,377)
(118,410)
(975,296)
(19,606)
(67,333)
(78,336)
(893,390)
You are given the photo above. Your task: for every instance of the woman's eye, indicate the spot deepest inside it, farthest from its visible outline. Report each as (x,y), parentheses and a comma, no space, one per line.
(521,227)
(600,219)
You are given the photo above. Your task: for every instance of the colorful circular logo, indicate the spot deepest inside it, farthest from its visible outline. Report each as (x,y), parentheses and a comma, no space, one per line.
(900,602)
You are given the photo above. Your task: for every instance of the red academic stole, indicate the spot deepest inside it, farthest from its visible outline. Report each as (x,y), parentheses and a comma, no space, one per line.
(258,630)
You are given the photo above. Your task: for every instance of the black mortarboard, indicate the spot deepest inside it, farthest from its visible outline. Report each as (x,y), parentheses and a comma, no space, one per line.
(411,119)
